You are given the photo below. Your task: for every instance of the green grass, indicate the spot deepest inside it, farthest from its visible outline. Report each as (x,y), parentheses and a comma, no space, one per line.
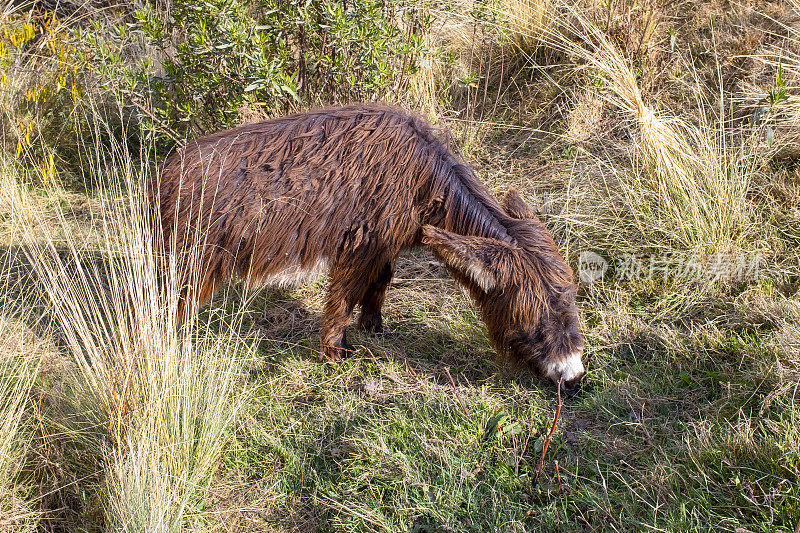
(686,423)
(683,426)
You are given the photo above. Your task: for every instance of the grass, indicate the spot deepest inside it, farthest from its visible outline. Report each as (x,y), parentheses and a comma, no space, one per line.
(699,173)
(113,418)
(151,403)
(19,365)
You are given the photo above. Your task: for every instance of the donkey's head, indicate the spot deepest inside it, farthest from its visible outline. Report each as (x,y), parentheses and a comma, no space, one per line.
(524,289)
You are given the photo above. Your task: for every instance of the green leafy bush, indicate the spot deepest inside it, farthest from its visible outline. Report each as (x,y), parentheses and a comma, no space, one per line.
(40,93)
(193,68)
(222,56)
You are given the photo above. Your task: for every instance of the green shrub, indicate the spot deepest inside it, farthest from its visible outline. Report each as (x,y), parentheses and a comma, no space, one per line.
(40,93)
(194,68)
(219,57)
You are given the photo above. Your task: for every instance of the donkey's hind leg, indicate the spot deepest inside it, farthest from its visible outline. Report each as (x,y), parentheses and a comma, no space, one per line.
(372,301)
(343,293)
(349,286)
(199,282)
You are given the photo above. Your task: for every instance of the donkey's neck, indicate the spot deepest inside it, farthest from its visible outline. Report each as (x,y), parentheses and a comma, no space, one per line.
(468,208)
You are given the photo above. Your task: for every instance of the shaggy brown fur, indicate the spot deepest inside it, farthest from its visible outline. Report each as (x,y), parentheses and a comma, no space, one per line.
(346,190)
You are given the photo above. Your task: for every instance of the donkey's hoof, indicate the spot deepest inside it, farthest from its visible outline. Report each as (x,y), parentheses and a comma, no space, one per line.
(372,324)
(337,351)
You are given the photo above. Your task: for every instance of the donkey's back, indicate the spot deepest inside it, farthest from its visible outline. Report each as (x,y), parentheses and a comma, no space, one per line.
(291,192)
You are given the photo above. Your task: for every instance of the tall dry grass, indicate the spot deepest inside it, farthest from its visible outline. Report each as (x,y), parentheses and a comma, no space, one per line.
(691,175)
(156,398)
(19,369)
(19,366)
(689,178)
(526,22)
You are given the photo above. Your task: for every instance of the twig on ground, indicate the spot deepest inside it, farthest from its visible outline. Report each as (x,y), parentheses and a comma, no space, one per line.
(558,476)
(408,365)
(549,436)
(455,391)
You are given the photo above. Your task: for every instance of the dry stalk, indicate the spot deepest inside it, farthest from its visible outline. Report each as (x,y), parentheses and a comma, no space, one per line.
(549,435)
(558,476)
(455,391)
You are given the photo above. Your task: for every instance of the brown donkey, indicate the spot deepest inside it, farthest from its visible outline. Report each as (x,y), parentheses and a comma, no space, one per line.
(345,190)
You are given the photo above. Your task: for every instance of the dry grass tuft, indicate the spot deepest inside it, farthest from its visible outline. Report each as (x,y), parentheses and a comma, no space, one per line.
(692,182)
(158,396)
(20,358)
(19,366)
(527,22)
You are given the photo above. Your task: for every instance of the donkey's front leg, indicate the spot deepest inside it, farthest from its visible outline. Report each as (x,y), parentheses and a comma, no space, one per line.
(372,301)
(344,290)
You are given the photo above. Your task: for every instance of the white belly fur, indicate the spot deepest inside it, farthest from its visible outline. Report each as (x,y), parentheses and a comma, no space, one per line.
(296,274)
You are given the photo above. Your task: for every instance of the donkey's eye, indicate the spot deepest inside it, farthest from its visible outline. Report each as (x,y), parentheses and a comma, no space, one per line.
(528,337)
(518,339)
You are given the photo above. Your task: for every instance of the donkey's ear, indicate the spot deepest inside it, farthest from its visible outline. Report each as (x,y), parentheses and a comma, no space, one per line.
(515,206)
(477,258)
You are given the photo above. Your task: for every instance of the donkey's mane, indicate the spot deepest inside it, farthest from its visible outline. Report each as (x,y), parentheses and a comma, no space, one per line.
(469,209)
